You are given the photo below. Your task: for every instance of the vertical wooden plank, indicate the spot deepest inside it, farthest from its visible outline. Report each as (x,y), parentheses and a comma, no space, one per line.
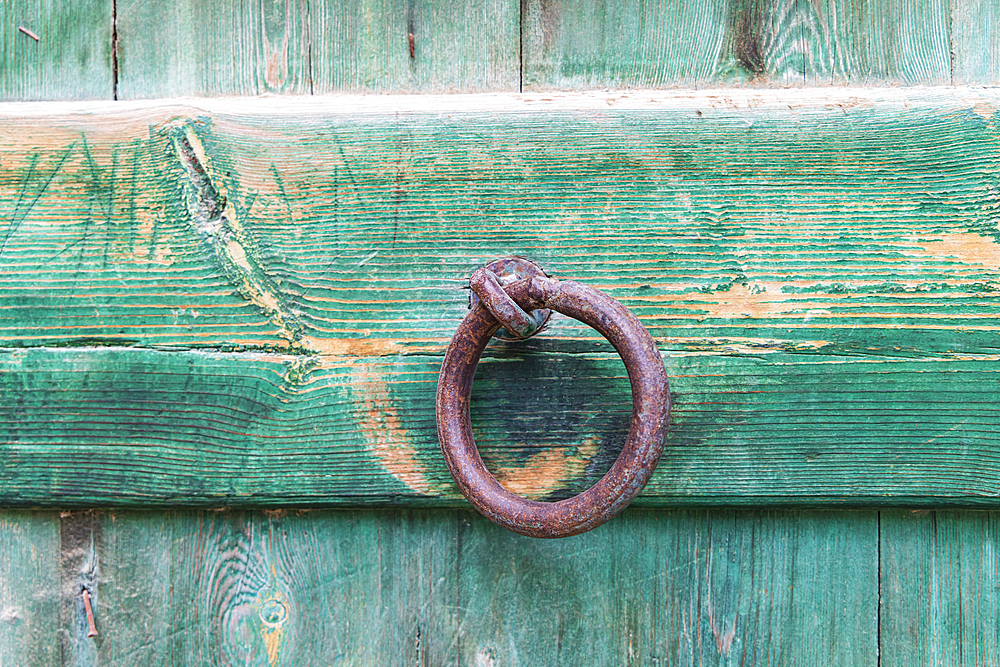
(837,42)
(53,50)
(270,588)
(80,569)
(456,47)
(194,47)
(976,42)
(29,588)
(894,41)
(595,43)
(144,610)
(940,588)
(449,588)
(677,588)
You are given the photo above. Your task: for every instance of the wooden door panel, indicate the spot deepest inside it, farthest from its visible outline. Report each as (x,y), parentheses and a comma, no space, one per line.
(449,588)
(222,321)
(140,50)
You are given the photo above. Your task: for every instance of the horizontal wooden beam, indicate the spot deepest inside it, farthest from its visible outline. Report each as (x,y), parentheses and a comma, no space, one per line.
(131,427)
(245,302)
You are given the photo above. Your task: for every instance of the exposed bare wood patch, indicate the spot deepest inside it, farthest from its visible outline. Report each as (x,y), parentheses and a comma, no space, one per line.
(967,248)
(547,471)
(389,440)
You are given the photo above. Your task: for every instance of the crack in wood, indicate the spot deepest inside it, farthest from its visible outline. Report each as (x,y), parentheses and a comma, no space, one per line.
(215,218)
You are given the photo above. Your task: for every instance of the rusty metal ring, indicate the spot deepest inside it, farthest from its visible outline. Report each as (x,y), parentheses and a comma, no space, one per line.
(640,454)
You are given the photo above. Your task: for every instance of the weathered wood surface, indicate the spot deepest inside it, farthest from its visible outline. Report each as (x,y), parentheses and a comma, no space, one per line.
(455,47)
(167,49)
(138,49)
(30,588)
(595,44)
(247,305)
(191,47)
(449,588)
(975,38)
(264,430)
(56,50)
(446,587)
(940,586)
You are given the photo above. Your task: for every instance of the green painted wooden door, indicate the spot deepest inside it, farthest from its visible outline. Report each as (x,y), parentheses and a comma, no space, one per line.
(235,239)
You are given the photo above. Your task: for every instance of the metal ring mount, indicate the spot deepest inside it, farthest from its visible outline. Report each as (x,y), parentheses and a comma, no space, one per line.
(640,454)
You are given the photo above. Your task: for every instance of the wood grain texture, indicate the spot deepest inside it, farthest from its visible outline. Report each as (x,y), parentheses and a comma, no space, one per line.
(595,44)
(791,42)
(166,49)
(69,60)
(449,588)
(456,46)
(169,49)
(29,588)
(192,47)
(311,227)
(264,430)
(248,306)
(976,42)
(941,579)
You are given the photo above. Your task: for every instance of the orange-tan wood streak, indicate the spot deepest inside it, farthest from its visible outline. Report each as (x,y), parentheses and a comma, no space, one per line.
(383,430)
(967,248)
(547,471)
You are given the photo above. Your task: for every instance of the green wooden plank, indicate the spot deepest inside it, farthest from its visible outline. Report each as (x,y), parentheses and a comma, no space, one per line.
(449,588)
(841,42)
(595,44)
(940,584)
(806,271)
(51,50)
(861,221)
(30,590)
(456,46)
(976,41)
(269,430)
(169,49)
(190,47)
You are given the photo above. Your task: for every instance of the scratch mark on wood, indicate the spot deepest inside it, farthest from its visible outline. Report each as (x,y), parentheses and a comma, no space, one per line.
(15,224)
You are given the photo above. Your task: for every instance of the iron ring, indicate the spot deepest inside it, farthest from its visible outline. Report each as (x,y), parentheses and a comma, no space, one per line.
(642,449)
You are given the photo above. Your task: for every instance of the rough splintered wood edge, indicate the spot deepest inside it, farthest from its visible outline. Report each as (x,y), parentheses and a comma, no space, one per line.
(986,99)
